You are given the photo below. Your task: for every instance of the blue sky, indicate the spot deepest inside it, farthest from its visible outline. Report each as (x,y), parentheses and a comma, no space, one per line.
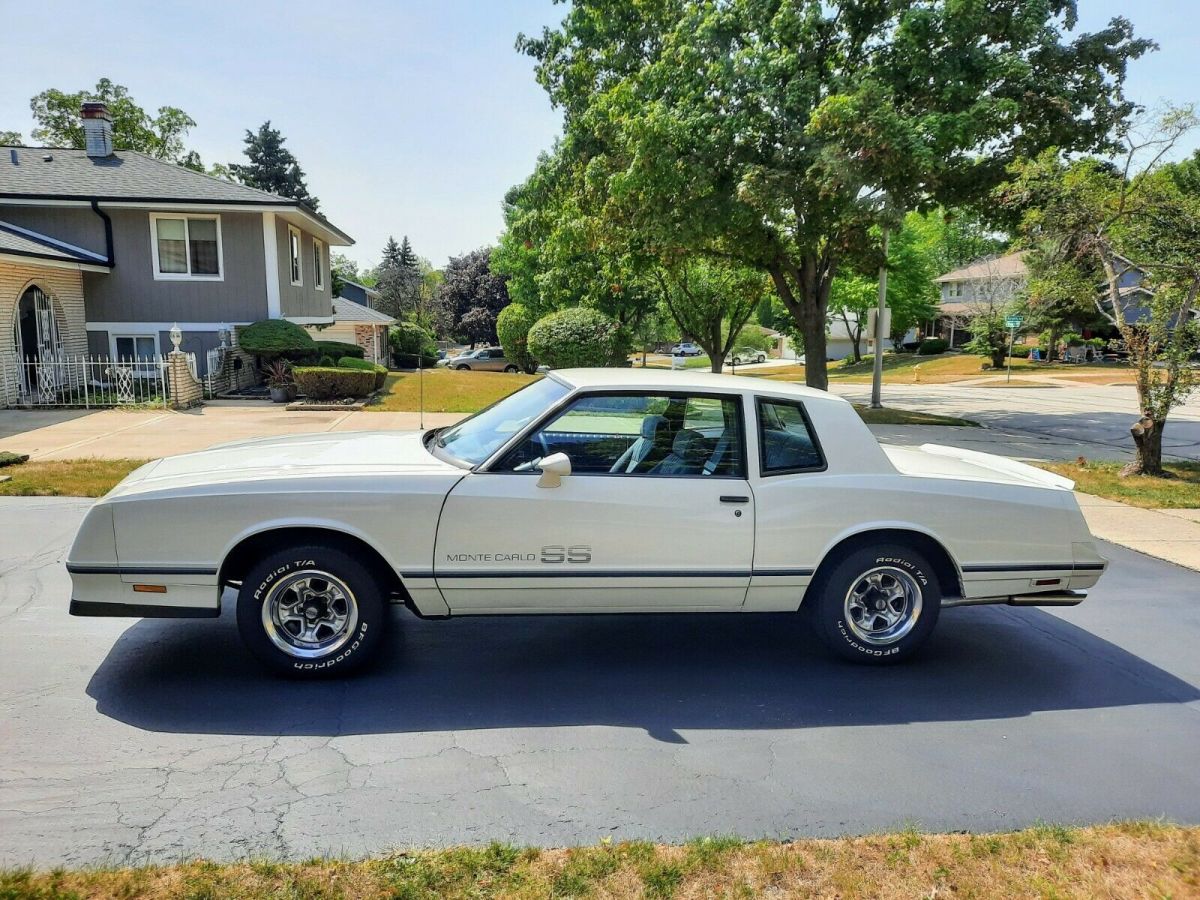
(409,117)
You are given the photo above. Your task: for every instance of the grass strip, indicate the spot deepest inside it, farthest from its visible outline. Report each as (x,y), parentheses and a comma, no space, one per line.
(1131,859)
(1180,491)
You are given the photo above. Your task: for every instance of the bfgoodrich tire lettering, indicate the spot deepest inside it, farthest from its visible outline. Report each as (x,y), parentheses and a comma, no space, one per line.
(876,605)
(311,611)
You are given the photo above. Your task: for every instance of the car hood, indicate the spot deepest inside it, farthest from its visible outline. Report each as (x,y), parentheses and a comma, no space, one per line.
(936,461)
(348,454)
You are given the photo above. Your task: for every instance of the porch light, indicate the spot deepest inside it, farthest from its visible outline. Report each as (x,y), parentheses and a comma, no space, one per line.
(176,336)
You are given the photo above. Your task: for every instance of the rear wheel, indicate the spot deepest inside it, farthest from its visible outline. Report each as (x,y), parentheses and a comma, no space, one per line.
(877,605)
(311,610)
(512,369)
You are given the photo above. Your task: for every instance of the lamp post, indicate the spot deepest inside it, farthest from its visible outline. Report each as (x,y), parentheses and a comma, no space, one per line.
(176,336)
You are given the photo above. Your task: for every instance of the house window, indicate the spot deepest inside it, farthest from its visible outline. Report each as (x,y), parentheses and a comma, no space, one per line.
(318,271)
(186,247)
(954,289)
(294,254)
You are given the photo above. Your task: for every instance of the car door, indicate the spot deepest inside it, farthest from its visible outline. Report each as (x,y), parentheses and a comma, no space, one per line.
(491,360)
(657,513)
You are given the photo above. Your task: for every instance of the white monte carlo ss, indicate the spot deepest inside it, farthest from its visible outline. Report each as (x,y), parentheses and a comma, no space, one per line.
(589,491)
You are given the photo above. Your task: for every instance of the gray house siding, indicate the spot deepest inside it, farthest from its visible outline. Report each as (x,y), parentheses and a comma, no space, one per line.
(303,300)
(74,225)
(130,292)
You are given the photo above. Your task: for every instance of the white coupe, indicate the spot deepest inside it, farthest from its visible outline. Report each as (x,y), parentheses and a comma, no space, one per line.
(589,491)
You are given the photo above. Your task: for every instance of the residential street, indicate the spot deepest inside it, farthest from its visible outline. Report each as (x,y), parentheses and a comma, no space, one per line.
(157,740)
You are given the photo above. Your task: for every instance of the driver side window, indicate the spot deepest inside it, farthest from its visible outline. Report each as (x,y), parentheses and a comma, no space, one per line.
(640,434)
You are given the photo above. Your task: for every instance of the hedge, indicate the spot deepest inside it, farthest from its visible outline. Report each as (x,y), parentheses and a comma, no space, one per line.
(408,339)
(324,383)
(578,337)
(338,349)
(933,346)
(362,365)
(512,328)
(272,338)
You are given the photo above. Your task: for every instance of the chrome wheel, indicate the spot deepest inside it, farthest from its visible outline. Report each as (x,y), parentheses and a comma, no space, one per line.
(309,614)
(883,605)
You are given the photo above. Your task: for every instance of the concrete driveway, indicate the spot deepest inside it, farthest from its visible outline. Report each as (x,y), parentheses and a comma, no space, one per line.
(155,740)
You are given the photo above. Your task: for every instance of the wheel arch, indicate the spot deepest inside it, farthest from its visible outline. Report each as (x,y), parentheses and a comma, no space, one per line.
(944,566)
(249,548)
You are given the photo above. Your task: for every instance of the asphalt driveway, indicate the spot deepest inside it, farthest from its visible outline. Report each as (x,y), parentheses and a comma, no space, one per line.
(132,740)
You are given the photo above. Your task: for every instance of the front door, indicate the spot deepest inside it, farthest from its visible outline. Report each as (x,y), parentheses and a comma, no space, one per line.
(38,343)
(657,513)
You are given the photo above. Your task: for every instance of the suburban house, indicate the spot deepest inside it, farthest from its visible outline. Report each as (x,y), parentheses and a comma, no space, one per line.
(357,324)
(359,293)
(983,285)
(102,251)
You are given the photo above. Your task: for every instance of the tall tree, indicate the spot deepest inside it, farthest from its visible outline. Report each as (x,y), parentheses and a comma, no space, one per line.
(403,286)
(1105,217)
(472,295)
(11,138)
(272,166)
(59,125)
(767,131)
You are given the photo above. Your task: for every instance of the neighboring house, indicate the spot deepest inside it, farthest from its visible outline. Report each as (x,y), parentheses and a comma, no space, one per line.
(838,342)
(982,286)
(103,250)
(361,325)
(359,293)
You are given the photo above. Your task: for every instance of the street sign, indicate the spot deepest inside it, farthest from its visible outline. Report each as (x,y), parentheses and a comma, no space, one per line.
(1013,321)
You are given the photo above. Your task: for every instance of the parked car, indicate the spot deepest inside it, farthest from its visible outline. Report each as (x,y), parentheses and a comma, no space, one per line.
(485,359)
(746,355)
(687,348)
(747,509)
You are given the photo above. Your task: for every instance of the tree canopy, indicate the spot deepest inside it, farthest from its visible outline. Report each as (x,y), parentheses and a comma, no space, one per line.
(272,166)
(768,132)
(471,296)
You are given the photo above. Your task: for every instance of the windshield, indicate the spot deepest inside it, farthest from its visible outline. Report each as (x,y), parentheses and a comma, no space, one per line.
(475,439)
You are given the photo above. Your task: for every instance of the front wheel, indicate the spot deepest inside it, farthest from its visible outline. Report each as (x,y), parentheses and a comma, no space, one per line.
(512,369)
(311,610)
(462,368)
(877,605)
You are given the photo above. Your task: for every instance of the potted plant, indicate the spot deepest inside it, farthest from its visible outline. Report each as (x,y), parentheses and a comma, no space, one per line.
(280,381)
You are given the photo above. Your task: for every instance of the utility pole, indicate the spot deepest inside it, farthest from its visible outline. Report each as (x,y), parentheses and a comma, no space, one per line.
(880,323)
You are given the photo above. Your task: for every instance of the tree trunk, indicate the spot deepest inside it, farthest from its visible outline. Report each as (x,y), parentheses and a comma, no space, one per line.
(1147,438)
(808,311)
(999,356)
(1052,348)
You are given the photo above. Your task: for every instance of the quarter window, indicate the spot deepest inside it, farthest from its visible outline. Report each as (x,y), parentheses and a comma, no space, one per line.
(641,434)
(186,246)
(785,439)
(294,255)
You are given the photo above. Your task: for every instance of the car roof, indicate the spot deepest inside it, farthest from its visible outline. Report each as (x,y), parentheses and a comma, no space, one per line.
(686,380)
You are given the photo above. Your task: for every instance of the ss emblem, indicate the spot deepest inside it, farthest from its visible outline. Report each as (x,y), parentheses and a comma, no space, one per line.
(579,553)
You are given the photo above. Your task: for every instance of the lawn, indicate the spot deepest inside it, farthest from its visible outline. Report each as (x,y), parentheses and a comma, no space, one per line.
(1143,859)
(1101,479)
(908,368)
(66,478)
(889,416)
(447,390)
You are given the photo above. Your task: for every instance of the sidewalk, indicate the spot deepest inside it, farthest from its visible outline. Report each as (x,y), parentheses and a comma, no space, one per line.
(1170,534)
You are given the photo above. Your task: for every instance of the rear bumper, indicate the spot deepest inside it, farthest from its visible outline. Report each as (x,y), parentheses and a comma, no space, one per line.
(1044,598)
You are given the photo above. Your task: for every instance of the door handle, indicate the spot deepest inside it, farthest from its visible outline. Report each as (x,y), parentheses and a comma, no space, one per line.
(734,498)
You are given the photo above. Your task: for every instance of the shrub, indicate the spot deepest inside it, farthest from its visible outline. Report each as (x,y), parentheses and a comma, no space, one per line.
(329,383)
(274,338)
(410,343)
(12,459)
(578,337)
(338,349)
(512,327)
(327,361)
(362,365)
(933,346)
(1021,351)
(754,337)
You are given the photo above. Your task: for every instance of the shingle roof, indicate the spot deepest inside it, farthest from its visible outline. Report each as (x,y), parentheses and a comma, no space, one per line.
(1010,266)
(56,173)
(349,311)
(21,242)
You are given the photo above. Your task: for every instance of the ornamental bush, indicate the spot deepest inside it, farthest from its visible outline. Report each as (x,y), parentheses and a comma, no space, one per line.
(326,383)
(273,338)
(338,349)
(409,342)
(933,346)
(362,365)
(512,327)
(578,337)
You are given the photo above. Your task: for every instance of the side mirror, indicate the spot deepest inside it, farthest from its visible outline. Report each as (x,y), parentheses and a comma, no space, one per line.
(553,468)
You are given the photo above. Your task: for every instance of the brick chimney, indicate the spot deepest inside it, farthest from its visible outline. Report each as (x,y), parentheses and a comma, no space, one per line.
(97,130)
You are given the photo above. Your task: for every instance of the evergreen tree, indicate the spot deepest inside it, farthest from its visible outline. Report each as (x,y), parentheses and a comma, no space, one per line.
(407,258)
(391,254)
(272,167)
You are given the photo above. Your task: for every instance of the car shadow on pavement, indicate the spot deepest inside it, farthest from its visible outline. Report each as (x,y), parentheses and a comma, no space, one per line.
(664,674)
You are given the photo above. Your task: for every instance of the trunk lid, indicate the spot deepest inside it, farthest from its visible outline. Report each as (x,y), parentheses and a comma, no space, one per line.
(937,461)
